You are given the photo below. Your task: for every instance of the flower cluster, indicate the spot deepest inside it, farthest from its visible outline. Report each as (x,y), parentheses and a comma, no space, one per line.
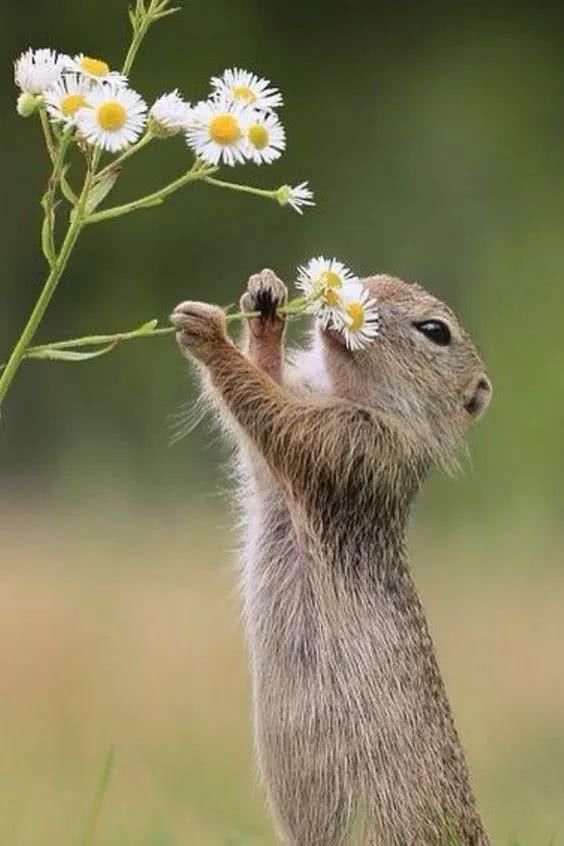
(339,300)
(237,123)
(83,104)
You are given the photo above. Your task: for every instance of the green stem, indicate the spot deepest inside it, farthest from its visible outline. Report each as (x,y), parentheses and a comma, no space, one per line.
(18,353)
(58,164)
(57,269)
(153,199)
(246,189)
(48,201)
(51,148)
(49,143)
(63,147)
(138,37)
(293,308)
(140,29)
(98,340)
(146,139)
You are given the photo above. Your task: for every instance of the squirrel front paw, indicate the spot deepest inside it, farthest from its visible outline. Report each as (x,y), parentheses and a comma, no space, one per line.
(265,293)
(200,329)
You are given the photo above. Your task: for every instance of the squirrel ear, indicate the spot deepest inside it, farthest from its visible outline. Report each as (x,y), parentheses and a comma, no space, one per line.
(479,396)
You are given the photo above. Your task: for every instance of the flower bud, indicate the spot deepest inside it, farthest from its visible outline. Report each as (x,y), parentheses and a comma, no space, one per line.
(161,130)
(169,115)
(27,104)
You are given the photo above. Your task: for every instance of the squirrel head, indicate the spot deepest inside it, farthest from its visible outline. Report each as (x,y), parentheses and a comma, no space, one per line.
(422,370)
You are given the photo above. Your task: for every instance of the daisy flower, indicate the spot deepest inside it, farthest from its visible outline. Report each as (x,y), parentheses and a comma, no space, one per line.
(217,131)
(113,119)
(299,196)
(323,282)
(169,115)
(95,69)
(242,86)
(36,70)
(66,97)
(266,138)
(358,318)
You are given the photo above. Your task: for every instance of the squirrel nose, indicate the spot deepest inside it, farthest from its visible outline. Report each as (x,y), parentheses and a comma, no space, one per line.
(479,396)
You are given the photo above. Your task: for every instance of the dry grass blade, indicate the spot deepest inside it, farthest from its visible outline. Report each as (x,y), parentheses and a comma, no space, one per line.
(91,827)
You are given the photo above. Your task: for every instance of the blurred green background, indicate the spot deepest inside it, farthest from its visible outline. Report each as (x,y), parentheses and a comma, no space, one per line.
(432,135)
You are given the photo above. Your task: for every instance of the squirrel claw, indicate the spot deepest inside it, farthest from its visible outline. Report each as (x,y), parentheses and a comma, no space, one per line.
(265,293)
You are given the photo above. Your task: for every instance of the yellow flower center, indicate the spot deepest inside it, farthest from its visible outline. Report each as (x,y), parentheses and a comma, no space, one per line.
(94,66)
(225,129)
(355,312)
(330,279)
(331,297)
(258,136)
(112,116)
(72,103)
(241,92)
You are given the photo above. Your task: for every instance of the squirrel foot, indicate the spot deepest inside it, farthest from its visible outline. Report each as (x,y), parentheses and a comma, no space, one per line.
(264,335)
(200,329)
(265,293)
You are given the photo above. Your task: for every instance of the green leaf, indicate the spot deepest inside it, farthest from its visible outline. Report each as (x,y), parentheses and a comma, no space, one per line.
(160,15)
(48,228)
(146,328)
(70,355)
(47,236)
(101,189)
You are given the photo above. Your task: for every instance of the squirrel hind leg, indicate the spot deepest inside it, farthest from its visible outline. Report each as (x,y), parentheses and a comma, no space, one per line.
(263,338)
(310,804)
(310,823)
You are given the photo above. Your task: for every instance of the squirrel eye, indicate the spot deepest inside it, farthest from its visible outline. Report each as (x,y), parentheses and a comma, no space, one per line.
(435,330)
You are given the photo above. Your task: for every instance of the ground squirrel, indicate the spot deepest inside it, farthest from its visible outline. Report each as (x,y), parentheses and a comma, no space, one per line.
(352,722)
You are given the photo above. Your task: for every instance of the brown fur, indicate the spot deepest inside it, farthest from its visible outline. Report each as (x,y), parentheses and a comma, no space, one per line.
(352,722)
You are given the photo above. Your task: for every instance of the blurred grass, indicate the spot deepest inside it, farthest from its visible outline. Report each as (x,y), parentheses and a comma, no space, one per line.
(121,627)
